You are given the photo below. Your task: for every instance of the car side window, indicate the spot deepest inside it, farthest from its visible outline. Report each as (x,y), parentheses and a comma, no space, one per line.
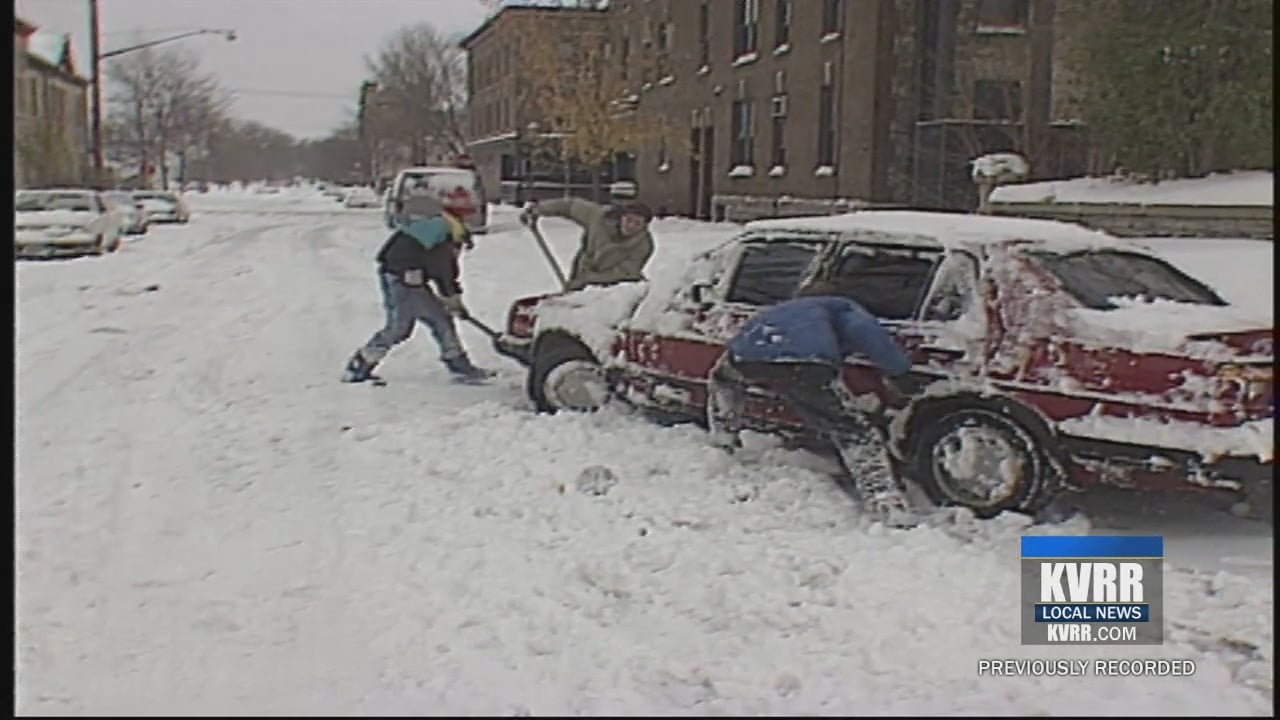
(770,272)
(889,284)
(954,289)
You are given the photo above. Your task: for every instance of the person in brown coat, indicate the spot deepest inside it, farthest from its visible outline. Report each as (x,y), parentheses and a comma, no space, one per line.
(616,243)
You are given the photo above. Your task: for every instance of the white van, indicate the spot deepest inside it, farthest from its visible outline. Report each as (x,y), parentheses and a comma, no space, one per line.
(453,186)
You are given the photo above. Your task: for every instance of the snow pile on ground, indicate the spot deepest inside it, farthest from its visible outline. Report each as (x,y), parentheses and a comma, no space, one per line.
(1252,187)
(209,523)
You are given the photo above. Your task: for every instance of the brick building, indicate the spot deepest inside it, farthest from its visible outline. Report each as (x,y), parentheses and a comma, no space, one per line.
(513,152)
(883,101)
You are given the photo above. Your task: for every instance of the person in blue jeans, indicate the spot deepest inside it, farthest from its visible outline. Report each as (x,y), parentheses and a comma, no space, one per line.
(422,251)
(797,348)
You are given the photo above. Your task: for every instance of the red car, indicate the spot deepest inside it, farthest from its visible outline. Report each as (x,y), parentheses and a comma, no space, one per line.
(1058,357)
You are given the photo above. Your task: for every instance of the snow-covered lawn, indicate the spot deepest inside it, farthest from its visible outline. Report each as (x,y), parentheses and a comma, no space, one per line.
(1248,187)
(208,522)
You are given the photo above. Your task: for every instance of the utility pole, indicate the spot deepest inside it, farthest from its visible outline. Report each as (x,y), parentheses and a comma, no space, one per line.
(99,169)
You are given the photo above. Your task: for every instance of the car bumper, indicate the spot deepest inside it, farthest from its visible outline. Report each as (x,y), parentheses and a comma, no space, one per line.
(164,218)
(518,349)
(36,244)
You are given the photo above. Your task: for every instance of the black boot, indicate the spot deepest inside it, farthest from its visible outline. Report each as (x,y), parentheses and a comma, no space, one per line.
(462,368)
(358,369)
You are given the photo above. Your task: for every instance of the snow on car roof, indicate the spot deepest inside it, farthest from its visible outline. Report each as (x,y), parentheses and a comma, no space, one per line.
(946,229)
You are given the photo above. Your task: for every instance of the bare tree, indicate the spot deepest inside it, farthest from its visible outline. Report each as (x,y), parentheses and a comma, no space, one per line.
(161,103)
(421,92)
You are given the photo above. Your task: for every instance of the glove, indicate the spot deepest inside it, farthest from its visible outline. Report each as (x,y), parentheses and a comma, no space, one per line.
(453,303)
(413,278)
(529,215)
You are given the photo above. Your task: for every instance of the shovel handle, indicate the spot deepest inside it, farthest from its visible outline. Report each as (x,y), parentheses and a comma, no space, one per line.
(546,252)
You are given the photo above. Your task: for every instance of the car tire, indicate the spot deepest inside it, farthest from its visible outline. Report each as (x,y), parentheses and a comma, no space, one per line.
(957,440)
(557,363)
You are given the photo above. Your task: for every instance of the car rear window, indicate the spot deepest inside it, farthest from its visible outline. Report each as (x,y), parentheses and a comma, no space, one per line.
(1097,277)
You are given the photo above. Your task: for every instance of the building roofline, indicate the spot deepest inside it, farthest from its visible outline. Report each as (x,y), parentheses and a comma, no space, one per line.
(34,59)
(474,35)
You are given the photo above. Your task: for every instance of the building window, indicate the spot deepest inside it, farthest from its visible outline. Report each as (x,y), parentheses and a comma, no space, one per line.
(624,56)
(827,126)
(778,135)
(665,34)
(997,100)
(743,133)
(704,35)
(782,32)
(746,27)
(831,16)
(1006,14)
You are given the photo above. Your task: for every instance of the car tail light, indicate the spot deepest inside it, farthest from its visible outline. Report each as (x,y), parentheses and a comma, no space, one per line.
(1250,383)
(521,319)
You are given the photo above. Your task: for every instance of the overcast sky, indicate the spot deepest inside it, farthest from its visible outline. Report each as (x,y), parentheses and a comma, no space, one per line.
(310,50)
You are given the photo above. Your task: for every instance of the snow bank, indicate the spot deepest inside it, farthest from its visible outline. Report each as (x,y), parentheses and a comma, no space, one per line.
(1253,187)
(263,540)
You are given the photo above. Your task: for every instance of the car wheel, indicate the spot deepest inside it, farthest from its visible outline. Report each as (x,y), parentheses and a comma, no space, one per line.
(982,459)
(566,376)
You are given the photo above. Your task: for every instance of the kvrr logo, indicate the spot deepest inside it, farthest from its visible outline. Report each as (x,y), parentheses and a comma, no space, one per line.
(1099,582)
(1092,589)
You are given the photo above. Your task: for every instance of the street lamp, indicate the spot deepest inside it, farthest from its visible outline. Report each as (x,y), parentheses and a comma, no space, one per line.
(94,33)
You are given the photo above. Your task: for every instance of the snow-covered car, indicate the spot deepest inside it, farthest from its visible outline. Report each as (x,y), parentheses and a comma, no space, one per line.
(133,215)
(163,206)
(458,187)
(1054,357)
(55,222)
(362,197)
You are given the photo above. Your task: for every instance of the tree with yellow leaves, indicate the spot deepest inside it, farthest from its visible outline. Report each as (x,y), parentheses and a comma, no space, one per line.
(569,80)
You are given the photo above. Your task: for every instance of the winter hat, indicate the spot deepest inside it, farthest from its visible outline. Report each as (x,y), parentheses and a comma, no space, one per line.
(636,208)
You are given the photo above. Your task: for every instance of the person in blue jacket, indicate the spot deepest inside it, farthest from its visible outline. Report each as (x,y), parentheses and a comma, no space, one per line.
(797,348)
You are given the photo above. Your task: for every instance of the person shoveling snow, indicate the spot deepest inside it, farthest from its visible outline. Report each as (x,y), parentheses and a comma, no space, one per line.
(616,244)
(423,247)
(797,349)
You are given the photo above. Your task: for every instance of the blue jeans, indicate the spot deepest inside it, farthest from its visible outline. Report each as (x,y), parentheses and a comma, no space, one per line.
(404,305)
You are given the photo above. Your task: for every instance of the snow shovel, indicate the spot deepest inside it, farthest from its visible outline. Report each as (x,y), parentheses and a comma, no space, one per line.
(546,252)
(493,334)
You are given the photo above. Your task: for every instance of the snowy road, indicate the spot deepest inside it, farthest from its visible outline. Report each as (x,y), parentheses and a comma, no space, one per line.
(210,523)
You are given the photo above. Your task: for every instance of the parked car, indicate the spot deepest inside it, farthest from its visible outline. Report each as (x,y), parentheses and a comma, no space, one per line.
(460,187)
(163,206)
(362,197)
(56,222)
(1054,357)
(132,213)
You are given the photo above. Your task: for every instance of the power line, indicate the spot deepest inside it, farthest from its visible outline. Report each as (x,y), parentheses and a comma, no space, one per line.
(290,93)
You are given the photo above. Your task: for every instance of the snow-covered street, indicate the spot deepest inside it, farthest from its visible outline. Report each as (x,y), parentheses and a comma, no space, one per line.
(210,523)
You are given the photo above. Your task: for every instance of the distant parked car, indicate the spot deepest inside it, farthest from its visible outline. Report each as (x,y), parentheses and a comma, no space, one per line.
(133,215)
(362,197)
(455,186)
(71,221)
(1054,357)
(163,206)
